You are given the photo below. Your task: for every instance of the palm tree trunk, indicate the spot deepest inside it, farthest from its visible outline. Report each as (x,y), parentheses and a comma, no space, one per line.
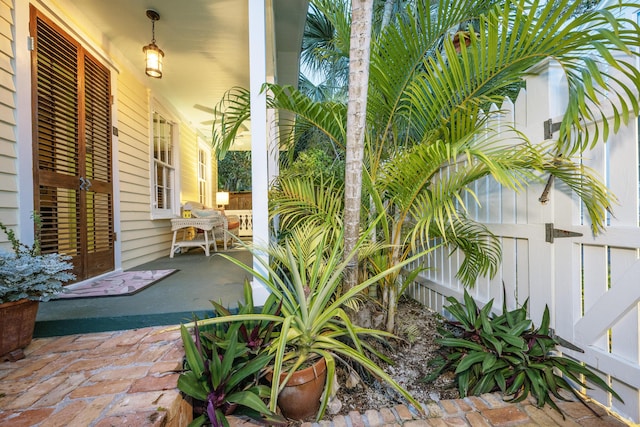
(391,304)
(386,16)
(373,289)
(392,307)
(385,295)
(359,58)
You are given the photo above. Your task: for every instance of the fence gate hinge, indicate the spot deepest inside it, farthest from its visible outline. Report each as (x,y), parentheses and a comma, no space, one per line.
(550,128)
(554,233)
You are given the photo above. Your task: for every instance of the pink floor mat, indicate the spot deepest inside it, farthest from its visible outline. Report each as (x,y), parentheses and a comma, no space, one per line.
(116,284)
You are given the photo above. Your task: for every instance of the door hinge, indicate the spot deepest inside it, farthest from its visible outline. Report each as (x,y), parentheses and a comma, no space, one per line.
(115,236)
(31,43)
(555,233)
(550,128)
(115,131)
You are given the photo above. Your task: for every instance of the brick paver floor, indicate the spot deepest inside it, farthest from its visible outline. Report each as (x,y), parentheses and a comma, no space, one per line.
(123,378)
(128,378)
(478,411)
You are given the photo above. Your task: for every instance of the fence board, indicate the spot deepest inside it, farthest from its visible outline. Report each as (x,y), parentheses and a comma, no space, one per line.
(625,341)
(611,306)
(509,271)
(594,287)
(623,180)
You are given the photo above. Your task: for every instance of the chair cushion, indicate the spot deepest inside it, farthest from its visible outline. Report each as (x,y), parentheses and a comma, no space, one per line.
(204,213)
(232,223)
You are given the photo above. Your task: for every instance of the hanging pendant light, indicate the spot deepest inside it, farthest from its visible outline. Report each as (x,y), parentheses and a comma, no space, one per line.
(153,54)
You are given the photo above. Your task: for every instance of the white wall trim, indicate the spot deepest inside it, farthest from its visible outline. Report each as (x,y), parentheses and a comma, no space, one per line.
(24,133)
(259,142)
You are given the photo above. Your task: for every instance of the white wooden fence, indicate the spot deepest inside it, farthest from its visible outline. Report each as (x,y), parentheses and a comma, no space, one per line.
(590,283)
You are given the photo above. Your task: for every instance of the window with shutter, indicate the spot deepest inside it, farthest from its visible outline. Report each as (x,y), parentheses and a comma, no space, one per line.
(72,149)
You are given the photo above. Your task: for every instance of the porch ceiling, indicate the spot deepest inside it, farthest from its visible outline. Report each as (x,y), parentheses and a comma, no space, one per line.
(205,43)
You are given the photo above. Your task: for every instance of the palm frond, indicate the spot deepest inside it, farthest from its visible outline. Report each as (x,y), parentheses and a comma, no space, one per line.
(229,116)
(327,116)
(508,42)
(303,199)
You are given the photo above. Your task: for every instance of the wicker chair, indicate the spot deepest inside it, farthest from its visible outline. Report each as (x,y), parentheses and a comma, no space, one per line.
(230,223)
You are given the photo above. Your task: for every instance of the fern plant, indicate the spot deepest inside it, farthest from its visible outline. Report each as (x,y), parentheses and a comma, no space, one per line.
(507,353)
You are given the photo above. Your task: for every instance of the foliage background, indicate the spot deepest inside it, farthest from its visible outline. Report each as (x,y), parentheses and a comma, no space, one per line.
(234,171)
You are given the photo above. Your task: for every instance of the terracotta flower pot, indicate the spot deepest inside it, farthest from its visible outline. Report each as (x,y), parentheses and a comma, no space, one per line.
(17,321)
(459,38)
(300,398)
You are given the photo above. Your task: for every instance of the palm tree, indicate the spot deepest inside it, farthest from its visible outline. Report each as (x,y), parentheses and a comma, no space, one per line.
(325,50)
(359,57)
(426,141)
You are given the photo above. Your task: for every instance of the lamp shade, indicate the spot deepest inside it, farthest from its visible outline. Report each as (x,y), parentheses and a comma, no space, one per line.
(222,198)
(153,59)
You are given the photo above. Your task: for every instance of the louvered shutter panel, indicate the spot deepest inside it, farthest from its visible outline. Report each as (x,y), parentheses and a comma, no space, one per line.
(72,149)
(57,141)
(97,142)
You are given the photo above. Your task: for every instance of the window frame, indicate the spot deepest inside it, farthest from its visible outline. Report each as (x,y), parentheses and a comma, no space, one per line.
(173,165)
(204,182)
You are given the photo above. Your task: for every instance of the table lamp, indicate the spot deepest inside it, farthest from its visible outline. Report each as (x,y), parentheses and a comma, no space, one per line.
(222,199)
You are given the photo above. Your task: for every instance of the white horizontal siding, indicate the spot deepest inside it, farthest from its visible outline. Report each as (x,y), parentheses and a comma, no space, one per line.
(8,141)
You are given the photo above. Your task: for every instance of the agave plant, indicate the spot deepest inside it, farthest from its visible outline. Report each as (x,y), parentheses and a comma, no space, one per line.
(507,353)
(305,275)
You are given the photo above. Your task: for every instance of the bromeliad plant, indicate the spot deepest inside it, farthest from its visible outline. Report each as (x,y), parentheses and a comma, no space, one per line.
(256,335)
(507,353)
(305,274)
(224,366)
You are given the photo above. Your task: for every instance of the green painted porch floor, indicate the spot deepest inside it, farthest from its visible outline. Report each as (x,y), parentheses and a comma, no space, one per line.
(172,300)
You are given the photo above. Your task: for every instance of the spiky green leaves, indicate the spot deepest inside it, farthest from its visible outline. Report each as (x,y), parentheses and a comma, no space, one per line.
(507,353)
(225,362)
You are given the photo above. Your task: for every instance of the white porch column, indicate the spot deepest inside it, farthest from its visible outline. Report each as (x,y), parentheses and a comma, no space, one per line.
(23,128)
(259,141)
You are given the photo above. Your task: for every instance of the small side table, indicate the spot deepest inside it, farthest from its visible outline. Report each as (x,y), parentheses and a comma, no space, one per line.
(207,225)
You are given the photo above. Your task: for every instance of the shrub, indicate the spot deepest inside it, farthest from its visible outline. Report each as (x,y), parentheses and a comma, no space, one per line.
(507,353)
(224,366)
(26,273)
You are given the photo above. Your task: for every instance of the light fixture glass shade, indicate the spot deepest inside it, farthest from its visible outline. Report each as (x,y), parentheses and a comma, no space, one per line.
(222,198)
(153,58)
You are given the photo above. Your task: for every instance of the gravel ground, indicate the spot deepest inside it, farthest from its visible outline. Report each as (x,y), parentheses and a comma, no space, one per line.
(416,326)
